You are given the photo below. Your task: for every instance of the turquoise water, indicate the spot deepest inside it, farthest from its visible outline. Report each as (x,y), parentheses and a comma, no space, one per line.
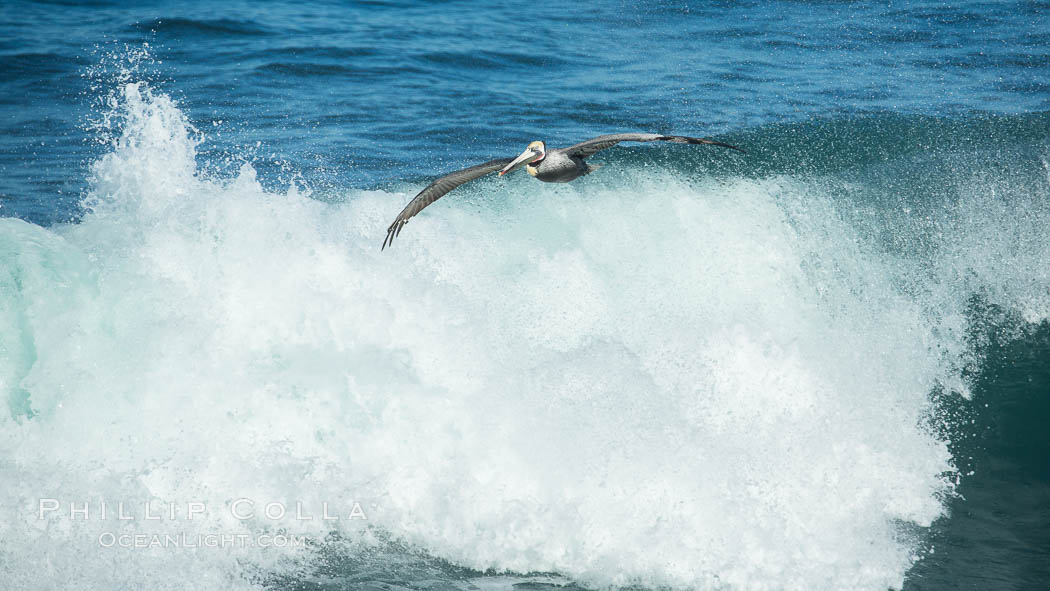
(822,364)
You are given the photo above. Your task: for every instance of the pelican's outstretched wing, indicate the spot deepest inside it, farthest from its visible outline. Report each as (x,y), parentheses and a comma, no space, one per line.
(585,149)
(436,190)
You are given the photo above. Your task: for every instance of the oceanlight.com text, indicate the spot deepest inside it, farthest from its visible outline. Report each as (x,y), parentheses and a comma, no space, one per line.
(143,540)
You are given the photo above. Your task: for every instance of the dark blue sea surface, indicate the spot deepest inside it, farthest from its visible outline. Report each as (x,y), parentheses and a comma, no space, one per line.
(823,363)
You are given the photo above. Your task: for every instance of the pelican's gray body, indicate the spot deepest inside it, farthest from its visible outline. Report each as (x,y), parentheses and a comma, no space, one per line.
(558,167)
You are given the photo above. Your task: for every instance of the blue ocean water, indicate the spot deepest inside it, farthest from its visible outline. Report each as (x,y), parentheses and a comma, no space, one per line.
(822,364)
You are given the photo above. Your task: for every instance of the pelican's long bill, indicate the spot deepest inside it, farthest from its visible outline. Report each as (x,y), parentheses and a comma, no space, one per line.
(530,154)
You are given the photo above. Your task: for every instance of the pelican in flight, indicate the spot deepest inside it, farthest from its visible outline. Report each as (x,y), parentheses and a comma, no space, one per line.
(558,165)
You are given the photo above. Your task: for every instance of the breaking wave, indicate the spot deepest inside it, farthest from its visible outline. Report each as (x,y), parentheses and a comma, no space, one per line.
(653,376)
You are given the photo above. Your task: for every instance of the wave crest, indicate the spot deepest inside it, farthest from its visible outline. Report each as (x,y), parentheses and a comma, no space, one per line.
(726,373)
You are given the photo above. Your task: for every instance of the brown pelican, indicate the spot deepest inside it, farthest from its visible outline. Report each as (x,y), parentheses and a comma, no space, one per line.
(558,165)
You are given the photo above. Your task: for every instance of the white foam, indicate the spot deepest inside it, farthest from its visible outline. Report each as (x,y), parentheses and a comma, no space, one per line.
(694,384)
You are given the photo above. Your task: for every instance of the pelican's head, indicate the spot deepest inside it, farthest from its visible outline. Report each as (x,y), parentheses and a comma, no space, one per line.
(533,154)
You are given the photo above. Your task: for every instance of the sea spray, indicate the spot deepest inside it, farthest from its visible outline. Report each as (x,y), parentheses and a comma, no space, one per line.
(726,373)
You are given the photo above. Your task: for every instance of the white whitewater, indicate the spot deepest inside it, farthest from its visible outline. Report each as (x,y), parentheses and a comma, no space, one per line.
(663,381)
